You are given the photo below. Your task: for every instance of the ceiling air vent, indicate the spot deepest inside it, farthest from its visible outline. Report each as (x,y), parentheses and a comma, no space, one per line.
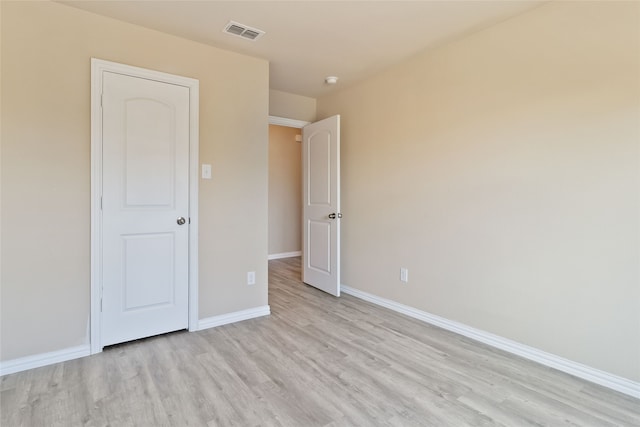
(243,31)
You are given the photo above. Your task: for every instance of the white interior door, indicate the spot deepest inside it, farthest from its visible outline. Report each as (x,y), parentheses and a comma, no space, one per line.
(321,200)
(145,208)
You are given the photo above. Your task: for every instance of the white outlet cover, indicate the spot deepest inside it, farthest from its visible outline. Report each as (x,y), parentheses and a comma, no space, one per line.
(251,278)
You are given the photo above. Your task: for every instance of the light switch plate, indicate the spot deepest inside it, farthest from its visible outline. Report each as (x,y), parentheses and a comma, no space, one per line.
(404,275)
(206,171)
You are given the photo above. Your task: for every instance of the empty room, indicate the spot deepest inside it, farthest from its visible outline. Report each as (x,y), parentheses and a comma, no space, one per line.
(319,213)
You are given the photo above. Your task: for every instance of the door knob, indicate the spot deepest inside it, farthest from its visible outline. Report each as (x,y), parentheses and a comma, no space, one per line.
(181,220)
(335,215)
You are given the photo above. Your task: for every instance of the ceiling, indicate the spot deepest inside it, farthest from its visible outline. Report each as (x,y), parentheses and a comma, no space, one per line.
(306,41)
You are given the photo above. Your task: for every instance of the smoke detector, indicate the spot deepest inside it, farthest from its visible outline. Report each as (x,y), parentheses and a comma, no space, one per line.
(244,31)
(331,80)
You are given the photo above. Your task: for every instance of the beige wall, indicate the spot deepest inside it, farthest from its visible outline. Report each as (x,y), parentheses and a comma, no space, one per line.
(46,51)
(285,190)
(503,171)
(292,106)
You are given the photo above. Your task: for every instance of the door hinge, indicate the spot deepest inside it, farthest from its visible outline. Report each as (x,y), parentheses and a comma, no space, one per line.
(100,304)
(100,202)
(101,98)
(189,220)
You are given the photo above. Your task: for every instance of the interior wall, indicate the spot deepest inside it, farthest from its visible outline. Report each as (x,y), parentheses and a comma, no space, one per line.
(292,106)
(285,190)
(45,282)
(503,171)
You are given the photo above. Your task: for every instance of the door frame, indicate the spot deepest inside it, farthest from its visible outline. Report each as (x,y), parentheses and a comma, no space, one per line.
(290,123)
(98,67)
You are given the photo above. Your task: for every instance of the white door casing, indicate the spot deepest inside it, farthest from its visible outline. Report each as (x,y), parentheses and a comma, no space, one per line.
(144,173)
(321,205)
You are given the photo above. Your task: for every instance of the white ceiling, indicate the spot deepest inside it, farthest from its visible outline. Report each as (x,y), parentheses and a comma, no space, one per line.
(306,41)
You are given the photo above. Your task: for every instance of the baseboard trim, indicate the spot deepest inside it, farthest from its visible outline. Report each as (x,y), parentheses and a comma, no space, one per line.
(284,255)
(236,316)
(43,359)
(579,370)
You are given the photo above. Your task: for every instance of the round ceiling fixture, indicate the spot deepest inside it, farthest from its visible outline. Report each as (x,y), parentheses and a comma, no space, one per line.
(331,80)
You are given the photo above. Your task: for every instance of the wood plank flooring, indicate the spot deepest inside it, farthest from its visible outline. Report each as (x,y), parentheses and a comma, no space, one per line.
(316,361)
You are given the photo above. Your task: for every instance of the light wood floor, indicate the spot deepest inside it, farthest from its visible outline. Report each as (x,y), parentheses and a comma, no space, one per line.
(316,361)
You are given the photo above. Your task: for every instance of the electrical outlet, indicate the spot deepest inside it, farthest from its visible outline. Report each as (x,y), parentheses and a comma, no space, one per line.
(251,278)
(404,275)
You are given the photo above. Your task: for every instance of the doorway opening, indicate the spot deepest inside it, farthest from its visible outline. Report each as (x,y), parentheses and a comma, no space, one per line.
(320,208)
(285,187)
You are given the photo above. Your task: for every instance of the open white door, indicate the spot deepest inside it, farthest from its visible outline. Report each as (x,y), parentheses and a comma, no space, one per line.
(145,208)
(321,200)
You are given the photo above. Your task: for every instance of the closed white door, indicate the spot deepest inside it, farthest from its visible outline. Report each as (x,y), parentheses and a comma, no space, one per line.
(145,208)
(321,200)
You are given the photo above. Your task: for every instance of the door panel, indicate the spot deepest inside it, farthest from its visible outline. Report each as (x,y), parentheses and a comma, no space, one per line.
(320,251)
(145,190)
(320,169)
(148,279)
(321,188)
(149,147)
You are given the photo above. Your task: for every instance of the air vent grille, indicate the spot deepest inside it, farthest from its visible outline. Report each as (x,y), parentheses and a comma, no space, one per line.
(243,31)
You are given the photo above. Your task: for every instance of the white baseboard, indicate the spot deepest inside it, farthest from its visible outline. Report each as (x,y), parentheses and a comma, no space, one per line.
(43,359)
(284,255)
(236,316)
(579,370)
